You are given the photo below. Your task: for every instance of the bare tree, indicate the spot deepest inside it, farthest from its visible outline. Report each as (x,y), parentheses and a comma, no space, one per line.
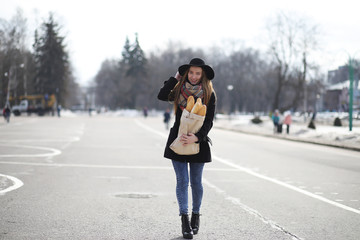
(292,40)
(13,53)
(282,34)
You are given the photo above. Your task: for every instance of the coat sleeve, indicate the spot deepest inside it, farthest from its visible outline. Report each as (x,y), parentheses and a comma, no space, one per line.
(166,89)
(208,122)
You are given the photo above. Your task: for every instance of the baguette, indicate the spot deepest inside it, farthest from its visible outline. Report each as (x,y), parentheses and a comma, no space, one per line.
(202,111)
(197,106)
(190,103)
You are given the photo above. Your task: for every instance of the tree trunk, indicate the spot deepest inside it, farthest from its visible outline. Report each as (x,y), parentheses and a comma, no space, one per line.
(281,79)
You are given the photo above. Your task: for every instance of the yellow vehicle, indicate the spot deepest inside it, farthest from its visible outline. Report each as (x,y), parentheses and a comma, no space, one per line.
(39,104)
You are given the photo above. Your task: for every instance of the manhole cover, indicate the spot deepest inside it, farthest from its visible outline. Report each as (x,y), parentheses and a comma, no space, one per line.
(135,195)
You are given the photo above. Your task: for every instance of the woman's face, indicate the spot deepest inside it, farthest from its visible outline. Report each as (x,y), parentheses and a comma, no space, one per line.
(194,75)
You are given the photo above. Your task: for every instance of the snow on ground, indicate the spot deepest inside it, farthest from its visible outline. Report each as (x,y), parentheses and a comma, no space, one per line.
(325,132)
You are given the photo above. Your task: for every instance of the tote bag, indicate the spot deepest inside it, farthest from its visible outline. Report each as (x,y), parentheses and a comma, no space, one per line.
(189,123)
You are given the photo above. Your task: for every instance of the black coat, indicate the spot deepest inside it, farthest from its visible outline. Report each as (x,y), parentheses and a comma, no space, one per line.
(204,155)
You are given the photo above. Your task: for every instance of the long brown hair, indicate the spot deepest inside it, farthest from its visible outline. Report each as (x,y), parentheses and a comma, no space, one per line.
(206,84)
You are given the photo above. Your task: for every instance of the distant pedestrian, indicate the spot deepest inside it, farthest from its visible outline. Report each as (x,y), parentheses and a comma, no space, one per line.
(193,79)
(7,112)
(167,118)
(276,119)
(145,112)
(58,110)
(287,121)
(312,120)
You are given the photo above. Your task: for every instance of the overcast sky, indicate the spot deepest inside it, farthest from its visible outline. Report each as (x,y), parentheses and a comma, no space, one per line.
(96,30)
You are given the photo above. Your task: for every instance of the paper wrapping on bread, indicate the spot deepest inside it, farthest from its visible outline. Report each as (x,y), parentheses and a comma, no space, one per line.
(190,122)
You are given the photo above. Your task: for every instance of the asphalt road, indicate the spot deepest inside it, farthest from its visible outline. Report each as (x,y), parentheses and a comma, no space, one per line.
(105,178)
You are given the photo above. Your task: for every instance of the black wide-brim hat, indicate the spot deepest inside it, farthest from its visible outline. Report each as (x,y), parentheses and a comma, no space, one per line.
(197,62)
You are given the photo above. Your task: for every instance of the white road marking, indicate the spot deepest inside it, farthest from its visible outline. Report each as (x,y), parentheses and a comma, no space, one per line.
(227,197)
(44,164)
(66,145)
(115,177)
(52,151)
(39,164)
(255,174)
(70,139)
(17,183)
(248,209)
(284,184)
(150,129)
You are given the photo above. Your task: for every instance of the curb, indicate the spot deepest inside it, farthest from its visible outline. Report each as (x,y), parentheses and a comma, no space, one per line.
(294,139)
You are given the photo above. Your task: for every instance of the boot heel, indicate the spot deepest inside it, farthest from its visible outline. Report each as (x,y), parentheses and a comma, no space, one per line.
(195,222)
(185,227)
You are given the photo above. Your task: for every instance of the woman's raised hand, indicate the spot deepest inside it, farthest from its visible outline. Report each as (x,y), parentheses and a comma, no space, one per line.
(178,76)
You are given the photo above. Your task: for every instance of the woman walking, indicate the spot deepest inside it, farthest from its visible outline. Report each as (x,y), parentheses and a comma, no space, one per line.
(193,79)
(287,121)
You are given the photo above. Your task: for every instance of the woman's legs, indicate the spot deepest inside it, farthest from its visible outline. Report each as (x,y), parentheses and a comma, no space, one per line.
(182,184)
(196,170)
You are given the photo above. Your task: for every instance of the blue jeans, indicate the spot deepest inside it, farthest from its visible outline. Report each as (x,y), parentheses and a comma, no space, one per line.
(182,185)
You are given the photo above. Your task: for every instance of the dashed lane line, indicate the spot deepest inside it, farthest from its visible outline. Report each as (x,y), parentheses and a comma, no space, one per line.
(284,184)
(250,210)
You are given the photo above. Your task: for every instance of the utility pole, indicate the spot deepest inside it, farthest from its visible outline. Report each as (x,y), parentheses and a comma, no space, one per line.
(10,76)
(305,87)
(23,66)
(305,101)
(351,77)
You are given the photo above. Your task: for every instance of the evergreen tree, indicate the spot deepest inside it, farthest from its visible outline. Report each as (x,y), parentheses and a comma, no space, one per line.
(136,73)
(137,61)
(52,65)
(126,53)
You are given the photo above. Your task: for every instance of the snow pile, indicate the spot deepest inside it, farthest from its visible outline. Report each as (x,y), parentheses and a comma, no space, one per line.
(325,133)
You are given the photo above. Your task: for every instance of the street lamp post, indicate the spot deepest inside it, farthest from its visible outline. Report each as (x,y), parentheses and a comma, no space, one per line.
(10,76)
(305,101)
(351,86)
(6,74)
(24,78)
(351,78)
(230,88)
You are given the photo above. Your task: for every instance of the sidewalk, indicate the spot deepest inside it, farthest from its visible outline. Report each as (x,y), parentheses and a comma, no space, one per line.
(323,134)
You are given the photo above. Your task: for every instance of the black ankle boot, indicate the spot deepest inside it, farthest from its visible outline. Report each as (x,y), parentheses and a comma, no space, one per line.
(185,226)
(195,222)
